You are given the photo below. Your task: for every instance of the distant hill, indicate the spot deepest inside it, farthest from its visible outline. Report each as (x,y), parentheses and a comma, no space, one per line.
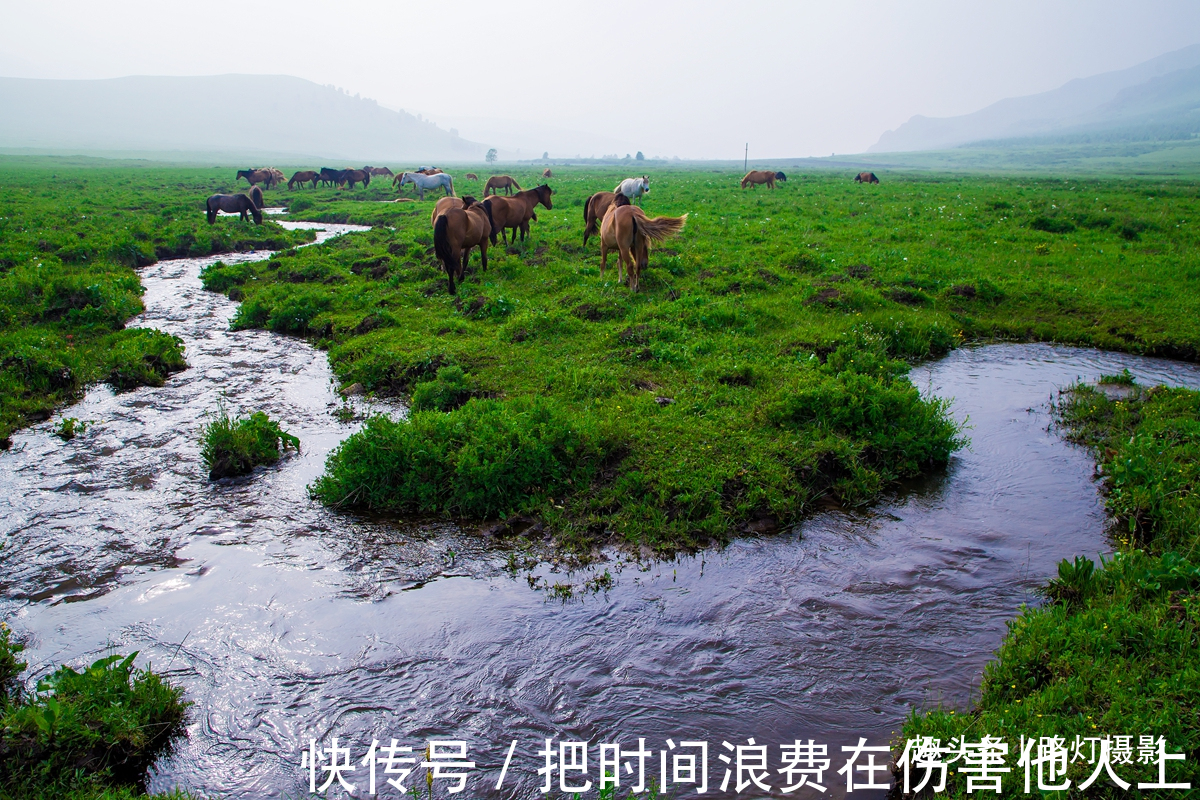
(1158,99)
(229,114)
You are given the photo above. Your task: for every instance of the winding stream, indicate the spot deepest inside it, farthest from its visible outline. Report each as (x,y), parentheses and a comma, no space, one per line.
(286,621)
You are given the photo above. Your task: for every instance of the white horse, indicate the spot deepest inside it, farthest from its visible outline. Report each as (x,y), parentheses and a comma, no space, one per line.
(424,182)
(633,188)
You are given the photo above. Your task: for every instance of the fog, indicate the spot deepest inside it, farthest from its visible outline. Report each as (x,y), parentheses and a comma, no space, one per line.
(688,79)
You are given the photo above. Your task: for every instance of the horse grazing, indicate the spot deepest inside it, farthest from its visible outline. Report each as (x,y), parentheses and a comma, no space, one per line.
(515,212)
(256,197)
(304,177)
(755,177)
(423,182)
(332,177)
(546,173)
(255,176)
(594,210)
(353,176)
(866,177)
(633,188)
(627,229)
(471,176)
(378,171)
(232,204)
(456,231)
(504,182)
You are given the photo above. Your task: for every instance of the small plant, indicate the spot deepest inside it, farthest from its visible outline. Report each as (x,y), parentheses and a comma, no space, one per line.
(448,391)
(1042,249)
(236,446)
(1075,580)
(69,428)
(1124,378)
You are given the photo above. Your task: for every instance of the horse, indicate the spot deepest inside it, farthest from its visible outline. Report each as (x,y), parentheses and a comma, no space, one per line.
(627,229)
(633,188)
(456,231)
(443,205)
(256,197)
(255,176)
(332,177)
(755,177)
(546,173)
(378,171)
(515,212)
(471,176)
(304,177)
(232,204)
(866,177)
(424,182)
(275,179)
(594,210)
(353,176)
(504,182)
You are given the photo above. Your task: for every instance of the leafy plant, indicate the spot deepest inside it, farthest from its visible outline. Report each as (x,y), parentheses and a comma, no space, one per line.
(236,446)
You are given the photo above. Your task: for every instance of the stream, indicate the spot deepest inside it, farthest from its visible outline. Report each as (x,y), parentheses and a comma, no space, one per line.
(286,621)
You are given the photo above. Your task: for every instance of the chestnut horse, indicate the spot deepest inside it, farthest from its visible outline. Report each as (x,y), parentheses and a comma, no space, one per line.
(456,231)
(304,177)
(546,173)
(759,176)
(471,176)
(866,177)
(627,229)
(353,176)
(232,204)
(378,171)
(594,210)
(515,212)
(504,182)
(255,176)
(443,205)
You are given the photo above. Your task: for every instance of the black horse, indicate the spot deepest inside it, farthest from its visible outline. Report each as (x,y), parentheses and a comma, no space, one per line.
(232,204)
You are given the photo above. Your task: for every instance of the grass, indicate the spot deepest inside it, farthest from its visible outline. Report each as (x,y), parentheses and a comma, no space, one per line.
(235,446)
(761,370)
(1116,649)
(71,241)
(83,734)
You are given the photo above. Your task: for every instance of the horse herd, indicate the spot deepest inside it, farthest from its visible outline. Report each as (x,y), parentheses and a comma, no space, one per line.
(462,224)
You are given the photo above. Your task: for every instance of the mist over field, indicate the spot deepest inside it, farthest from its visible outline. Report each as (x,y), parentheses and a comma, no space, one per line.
(669,79)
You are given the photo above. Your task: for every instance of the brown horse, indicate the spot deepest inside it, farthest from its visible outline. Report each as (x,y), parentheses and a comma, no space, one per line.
(866,177)
(546,173)
(378,171)
(755,177)
(443,205)
(232,204)
(333,177)
(515,212)
(255,176)
(256,197)
(471,176)
(504,182)
(594,210)
(304,177)
(353,176)
(456,231)
(627,229)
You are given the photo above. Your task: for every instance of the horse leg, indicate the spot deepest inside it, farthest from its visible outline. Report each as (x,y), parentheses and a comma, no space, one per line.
(603,257)
(483,246)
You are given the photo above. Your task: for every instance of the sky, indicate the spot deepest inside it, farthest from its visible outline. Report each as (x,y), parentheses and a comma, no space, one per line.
(689,79)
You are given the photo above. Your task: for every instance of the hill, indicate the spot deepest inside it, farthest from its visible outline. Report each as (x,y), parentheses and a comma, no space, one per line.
(234,115)
(1158,99)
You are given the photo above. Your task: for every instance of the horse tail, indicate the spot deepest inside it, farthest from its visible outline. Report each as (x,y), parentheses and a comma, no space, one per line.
(487,206)
(441,248)
(209,211)
(256,197)
(516,185)
(451,180)
(661,228)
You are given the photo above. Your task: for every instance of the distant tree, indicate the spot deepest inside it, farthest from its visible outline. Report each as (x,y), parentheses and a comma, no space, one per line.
(627,156)
(640,157)
(546,156)
(491,156)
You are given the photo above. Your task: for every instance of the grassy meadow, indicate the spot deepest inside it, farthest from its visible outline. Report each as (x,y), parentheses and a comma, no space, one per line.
(73,234)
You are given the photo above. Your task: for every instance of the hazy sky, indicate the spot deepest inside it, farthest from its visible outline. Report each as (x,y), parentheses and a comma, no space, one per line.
(694,79)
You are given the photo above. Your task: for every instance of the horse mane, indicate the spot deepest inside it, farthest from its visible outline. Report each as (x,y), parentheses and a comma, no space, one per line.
(467,202)
(622,200)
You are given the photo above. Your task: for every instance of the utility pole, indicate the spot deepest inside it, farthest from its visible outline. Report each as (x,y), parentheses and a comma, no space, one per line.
(746,162)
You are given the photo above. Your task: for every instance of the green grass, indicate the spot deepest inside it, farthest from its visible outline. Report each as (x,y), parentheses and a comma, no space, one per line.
(235,446)
(762,367)
(83,734)
(71,241)
(1116,649)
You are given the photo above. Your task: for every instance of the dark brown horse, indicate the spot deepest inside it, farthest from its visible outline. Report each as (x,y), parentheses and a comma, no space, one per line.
(455,232)
(594,210)
(866,177)
(504,182)
(378,171)
(232,204)
(304,177)
(353,176)
(515,212)
(256,197)
(332,177)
